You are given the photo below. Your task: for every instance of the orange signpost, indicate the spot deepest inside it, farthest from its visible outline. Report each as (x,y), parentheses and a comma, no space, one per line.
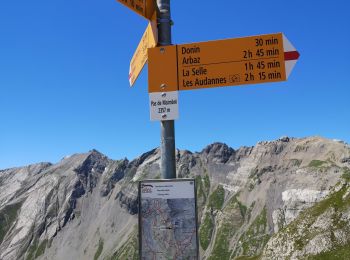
(145,8)
(148,40)
(249,60)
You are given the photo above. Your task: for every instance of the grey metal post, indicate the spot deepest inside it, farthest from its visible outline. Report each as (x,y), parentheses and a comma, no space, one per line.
(167,146)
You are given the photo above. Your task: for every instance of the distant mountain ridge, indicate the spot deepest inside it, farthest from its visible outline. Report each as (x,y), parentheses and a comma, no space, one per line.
(270,201)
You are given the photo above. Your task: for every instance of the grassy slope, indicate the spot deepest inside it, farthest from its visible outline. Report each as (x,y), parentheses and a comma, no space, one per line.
(307,218)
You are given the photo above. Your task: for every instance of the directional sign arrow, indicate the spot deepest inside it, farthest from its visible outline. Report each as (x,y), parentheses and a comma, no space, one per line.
(230,62)
(291,55)
(148,40)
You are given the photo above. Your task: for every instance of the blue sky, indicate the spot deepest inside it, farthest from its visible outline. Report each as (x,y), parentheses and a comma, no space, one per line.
(64,78)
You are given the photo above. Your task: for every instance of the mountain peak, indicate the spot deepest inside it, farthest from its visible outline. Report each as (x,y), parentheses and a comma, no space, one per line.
(219,152)
(95,152)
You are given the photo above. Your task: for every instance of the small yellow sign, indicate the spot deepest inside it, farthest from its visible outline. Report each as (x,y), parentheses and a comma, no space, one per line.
(239,61)
(145,8)
(148,40)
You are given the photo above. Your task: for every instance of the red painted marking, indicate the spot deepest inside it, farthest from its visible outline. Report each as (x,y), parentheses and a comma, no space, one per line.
(291,55)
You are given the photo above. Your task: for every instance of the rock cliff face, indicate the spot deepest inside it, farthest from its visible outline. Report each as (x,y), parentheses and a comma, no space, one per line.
(287,198)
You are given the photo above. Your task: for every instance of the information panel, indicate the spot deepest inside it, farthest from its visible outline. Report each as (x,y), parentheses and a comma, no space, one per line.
(168,219)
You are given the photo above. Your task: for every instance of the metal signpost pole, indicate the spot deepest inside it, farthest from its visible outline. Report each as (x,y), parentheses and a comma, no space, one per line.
(249,60)
(168,164)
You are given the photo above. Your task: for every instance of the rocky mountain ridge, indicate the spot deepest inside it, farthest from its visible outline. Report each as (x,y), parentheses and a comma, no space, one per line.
(85,206)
